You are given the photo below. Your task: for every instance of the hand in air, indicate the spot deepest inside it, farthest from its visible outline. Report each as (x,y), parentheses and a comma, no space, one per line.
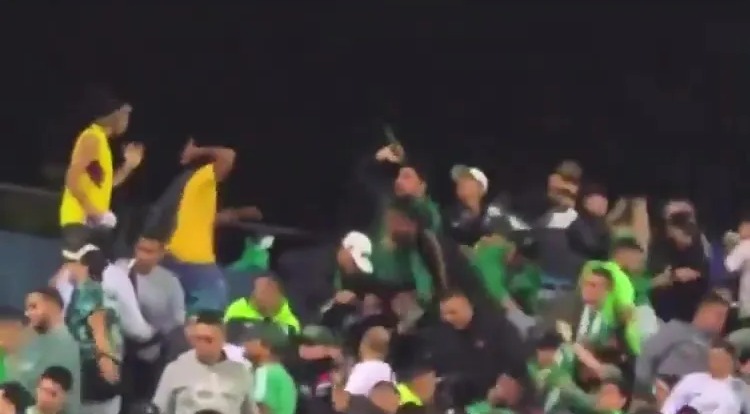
(133,154)
(391,153)
(190,152)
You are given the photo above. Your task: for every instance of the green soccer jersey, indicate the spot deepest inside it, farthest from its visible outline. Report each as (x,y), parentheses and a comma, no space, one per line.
(501,281)
(88,298)
(484,407)
(275,389)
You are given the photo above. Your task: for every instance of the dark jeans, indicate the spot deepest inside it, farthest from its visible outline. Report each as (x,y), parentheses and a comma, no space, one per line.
(203,283)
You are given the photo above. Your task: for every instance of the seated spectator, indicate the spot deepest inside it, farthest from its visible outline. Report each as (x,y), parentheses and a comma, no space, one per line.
(11,329)
(205,377)
(680,348)
(94,323)
(383,398)
(468,220)
(274,391)
(711,391)
(49,345)
(54,386)
(14,398)
(266,302)
(474,345)
(371,367)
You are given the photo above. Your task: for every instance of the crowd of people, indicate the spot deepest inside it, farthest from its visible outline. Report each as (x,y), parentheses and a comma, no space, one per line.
(547,302)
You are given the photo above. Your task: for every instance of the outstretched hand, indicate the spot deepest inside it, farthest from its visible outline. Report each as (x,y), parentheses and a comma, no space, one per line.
(133,154)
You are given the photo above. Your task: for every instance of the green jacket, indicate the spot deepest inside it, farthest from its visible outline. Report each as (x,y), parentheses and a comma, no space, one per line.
(244,309)
(501,281)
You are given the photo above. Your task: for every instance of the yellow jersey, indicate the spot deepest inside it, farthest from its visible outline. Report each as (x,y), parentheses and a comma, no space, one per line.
(193,238)
(96,183)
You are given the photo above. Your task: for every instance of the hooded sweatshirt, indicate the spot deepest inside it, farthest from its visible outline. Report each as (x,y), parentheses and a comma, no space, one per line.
(188,386)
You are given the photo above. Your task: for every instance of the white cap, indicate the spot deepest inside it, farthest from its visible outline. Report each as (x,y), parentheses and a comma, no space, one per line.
(360,247)
(78,254)
(459,171)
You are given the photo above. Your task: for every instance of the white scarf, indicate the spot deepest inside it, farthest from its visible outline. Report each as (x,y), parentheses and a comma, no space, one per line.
(589,327)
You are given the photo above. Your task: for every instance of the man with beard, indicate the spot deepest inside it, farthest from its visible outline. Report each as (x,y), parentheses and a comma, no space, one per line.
(49,345)
(390,174)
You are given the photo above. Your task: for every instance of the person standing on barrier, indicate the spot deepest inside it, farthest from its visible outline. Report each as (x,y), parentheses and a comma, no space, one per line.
(185,215)
(85,212)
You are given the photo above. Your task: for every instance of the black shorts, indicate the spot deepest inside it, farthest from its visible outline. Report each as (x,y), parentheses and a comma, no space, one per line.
(75,236)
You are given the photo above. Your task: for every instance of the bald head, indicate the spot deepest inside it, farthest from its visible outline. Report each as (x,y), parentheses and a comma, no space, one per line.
(376,340)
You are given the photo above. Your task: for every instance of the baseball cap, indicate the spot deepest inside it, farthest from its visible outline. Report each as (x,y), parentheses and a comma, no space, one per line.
(360,247)
(268,333)
(459,171)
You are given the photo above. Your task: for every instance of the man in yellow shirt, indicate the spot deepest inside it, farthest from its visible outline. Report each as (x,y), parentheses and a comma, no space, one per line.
(185,217)
(90,177)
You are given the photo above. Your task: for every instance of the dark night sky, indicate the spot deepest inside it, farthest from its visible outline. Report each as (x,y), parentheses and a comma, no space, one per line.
(298,91)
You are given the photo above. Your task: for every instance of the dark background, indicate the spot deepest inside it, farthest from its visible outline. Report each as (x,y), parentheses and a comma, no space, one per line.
(652,99)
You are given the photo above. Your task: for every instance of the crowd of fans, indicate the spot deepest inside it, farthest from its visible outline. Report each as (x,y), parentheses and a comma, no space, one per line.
(550,302)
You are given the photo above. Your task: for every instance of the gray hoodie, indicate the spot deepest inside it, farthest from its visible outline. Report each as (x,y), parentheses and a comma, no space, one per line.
(187,386)
(677,348)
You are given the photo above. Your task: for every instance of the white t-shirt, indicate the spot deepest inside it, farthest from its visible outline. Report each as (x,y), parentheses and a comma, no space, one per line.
(366,374)
(704,393)
(737,261)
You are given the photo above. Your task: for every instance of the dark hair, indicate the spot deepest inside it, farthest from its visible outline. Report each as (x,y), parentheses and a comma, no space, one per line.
(683,221)
(686,409)
(452,293)
(17,395)
(548,340)
(384,385)
(210,317)
(96,262)
(154,234)
(59,375)
(714,298)
(51,294)
(603,273)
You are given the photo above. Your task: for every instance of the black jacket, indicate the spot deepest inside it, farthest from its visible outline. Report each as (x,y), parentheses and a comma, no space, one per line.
(476,356)
(588,235)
